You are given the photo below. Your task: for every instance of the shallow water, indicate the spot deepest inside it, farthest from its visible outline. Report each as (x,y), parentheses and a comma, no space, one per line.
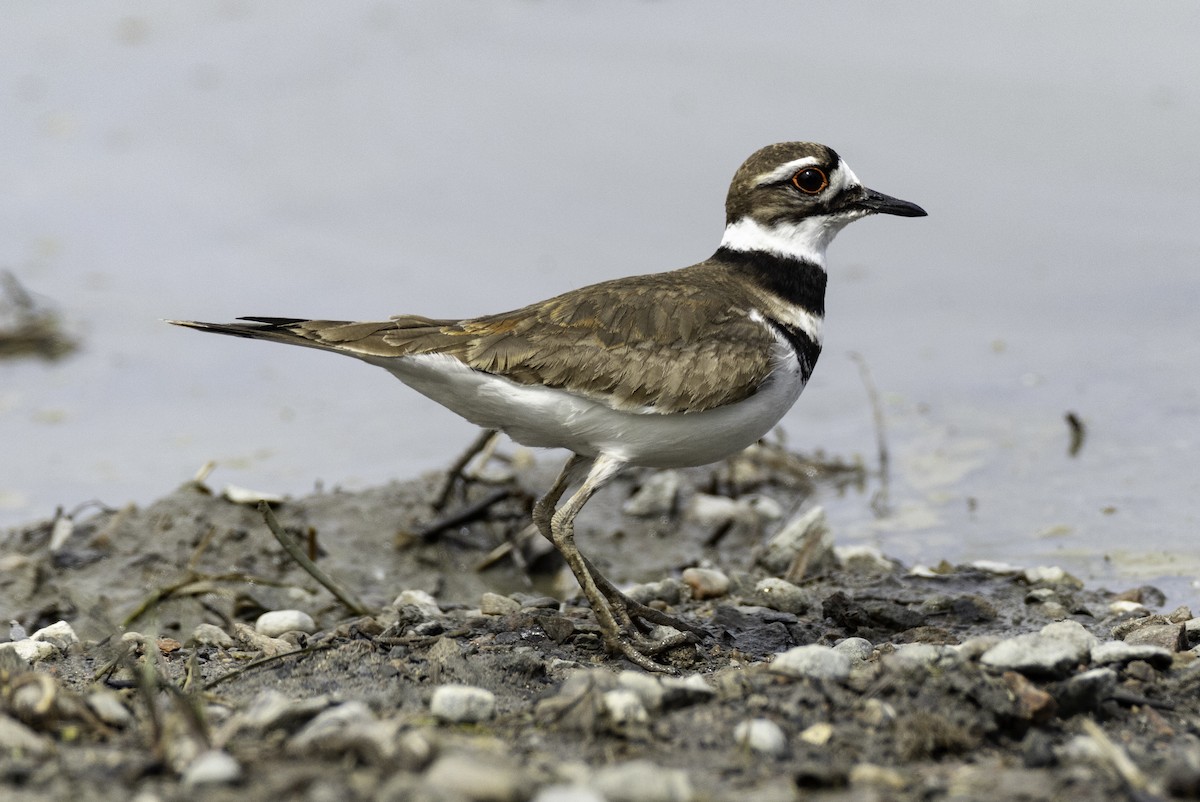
(216,159)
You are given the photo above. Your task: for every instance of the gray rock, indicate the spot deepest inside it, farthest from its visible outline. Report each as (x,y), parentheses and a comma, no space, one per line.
(1052,652)
(643,781)
(214,767)
(671,591)
(1085,691)
(1115,651)
(761,735)
(461,704)
(271,710)
(813,661)
(276,622)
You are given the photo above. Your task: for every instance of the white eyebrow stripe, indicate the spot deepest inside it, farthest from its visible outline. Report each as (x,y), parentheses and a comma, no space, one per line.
(786,170)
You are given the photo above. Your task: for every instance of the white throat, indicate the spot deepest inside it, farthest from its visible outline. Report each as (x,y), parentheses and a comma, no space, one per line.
(805,240)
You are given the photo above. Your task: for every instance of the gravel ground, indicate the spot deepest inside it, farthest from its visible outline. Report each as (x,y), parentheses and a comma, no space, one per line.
(178,652)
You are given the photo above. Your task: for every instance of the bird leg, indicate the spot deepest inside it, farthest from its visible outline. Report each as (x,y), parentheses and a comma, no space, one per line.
(608,604)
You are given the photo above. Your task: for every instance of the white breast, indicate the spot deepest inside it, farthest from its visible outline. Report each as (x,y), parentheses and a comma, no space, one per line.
(551,418)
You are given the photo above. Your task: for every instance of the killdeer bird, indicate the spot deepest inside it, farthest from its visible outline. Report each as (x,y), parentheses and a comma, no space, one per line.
(665,370)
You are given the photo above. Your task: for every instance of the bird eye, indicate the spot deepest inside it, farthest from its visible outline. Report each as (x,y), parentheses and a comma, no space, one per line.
(810,180)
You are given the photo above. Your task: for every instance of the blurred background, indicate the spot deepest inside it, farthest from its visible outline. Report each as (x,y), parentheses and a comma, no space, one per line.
(220,158)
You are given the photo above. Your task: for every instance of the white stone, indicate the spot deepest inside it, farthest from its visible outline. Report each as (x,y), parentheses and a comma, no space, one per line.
(706,583)
(59,633)
(108,708)
(1050,574)
(480,777)
(419,599)
(276,622)
(211,635)
(818,734)
(1116,651)
(643,781)
(814,661)
(995,567)
(214,767)
(625,708)
(462,704)
(567,793)
(857,649)
(1051,652)
(648,689)
(1122,606)
(779,594)
(30,650)
(795,536)
(862,557)
(761,735)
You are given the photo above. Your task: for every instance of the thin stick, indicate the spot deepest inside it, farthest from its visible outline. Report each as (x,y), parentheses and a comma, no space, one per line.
(479,444)
(296,553)
(465,515)
(880,502)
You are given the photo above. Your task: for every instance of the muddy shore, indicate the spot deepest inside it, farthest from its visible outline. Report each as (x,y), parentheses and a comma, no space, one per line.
(177,651)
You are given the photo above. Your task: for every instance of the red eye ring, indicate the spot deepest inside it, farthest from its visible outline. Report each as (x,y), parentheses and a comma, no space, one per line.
(810,180)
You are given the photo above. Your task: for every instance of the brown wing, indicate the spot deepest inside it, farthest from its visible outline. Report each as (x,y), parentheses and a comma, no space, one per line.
(655,341)
(659,341)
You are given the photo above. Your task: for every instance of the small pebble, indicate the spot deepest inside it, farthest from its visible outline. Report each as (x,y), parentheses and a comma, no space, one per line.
(211,635)
(625,710)
(214,767)
(477,777)
(1123,606)
(1116,651)
(706,583)
(462,704)
(779,594)
(857,649)
(59,633)
(1172,637)
(567,793)
(807,533)
(761,735)
(276,622)
(648,689)
(17,739)
(643,781)
(30,650)
(108,708)
(814,661)
(863,558)
(420,599)
(998,568)
(1053,651)
(495,604)
(818,734)
(684,691)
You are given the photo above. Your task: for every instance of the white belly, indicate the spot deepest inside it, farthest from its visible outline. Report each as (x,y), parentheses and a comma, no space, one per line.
(546,417)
